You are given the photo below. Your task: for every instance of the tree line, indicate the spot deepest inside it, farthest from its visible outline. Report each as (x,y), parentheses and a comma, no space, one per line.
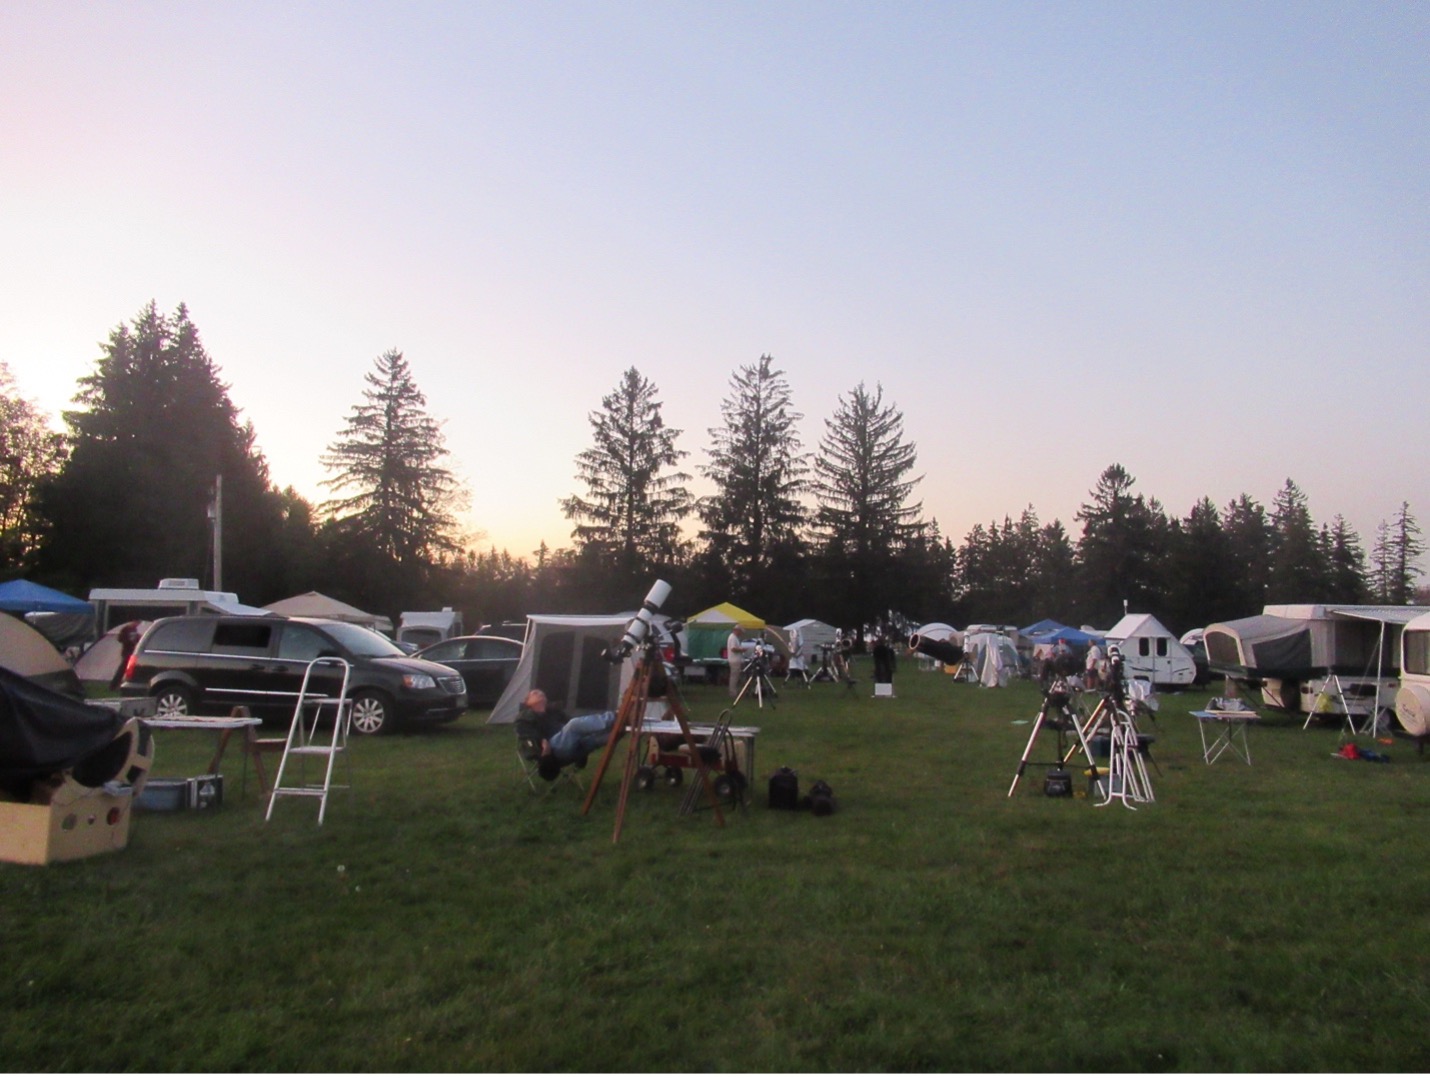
(125,497)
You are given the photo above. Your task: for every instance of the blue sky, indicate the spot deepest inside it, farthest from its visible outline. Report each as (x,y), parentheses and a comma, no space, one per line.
(1188,238)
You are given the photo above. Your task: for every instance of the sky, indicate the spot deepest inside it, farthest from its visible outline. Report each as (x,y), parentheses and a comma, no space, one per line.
(1192,239)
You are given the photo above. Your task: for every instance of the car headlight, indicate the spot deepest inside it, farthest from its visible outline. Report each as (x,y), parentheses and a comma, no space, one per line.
(419,681)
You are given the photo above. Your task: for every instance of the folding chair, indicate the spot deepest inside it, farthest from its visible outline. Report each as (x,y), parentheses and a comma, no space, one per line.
(528,753)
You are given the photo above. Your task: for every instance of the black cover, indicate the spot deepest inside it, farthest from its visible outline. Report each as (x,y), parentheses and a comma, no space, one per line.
(42,732)
(945,651)
(784,789)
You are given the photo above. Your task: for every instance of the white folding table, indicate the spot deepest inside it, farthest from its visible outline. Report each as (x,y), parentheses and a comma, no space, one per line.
(1228,733)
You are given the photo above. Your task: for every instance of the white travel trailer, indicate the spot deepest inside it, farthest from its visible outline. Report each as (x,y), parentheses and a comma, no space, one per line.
(1315,658)
(1151,652)
(1412,701)
(422,627)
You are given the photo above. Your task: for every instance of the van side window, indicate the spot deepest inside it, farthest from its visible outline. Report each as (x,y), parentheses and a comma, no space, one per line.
(242,638)
(302,644)
(186,635)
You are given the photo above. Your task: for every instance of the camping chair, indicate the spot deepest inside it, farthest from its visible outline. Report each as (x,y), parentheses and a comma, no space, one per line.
(528,752)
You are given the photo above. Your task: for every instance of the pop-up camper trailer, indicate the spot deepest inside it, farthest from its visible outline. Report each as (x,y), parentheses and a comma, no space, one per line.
(1315,658)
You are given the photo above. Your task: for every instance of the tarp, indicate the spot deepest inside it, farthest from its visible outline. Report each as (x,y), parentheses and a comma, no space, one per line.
(43,732)
(314,604)
(25,652)
(994,658)
(563,656)
(23,597)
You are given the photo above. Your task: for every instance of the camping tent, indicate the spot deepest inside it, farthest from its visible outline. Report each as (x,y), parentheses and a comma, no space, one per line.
(102,657)
(314,604)
(563,655)
(25,652)
(813,634)
(1149,650)
(707,631)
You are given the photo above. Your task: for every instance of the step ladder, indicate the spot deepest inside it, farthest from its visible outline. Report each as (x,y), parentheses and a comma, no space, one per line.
(306,743)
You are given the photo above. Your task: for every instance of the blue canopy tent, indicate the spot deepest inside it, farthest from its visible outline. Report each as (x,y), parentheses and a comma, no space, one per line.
(63,619)
(22,597)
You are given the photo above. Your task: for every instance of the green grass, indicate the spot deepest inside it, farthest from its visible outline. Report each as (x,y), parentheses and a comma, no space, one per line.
(1270,917)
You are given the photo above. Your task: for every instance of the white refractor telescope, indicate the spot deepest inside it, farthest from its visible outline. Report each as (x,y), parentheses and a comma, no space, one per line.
(638,628)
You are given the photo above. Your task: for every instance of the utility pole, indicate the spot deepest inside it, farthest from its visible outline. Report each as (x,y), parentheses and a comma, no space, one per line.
(216,517)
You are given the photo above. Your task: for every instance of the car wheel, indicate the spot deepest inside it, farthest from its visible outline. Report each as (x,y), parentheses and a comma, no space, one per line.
(372,713)
(173,701)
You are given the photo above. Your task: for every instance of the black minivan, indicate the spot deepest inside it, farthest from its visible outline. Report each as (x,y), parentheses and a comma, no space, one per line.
(209,663)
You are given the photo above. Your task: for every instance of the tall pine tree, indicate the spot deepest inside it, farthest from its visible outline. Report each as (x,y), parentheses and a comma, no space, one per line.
(396,504)
(628,521)
(864,518)
(755,514)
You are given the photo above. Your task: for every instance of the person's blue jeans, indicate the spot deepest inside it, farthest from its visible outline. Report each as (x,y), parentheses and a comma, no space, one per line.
(582,736)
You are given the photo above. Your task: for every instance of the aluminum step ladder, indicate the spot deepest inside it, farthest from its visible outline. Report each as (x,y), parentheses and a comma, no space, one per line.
(305,741)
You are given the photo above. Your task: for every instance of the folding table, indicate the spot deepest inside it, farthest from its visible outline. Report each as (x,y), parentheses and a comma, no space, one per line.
(1229,733)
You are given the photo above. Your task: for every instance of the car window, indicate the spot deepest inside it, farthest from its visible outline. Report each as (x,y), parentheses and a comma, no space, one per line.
(302,643)
(183,634)
(445,651)
(493,649)
(242,637)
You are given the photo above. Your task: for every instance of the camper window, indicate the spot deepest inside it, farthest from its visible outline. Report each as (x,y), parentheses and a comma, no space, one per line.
(1417,652)
(1161,647)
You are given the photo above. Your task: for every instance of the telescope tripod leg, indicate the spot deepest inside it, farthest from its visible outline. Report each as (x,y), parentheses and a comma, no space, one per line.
(1028,751)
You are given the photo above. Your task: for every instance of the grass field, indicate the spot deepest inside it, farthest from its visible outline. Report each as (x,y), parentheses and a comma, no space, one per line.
(1267,918)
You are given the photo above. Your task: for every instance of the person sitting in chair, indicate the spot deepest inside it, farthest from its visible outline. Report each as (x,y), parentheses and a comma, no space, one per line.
(563,741)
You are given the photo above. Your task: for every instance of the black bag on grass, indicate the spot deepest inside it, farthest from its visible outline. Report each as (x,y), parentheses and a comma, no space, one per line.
(821,798)
(784,789)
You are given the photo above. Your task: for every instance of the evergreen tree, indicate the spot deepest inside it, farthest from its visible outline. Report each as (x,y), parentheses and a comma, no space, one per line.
(1345,562)
(400,500)
(1204,580)
(153,431)
(1398,547)
(755,513)
(1298,572)
(864,518)
(628,522)
(1249,540)
(1123,544)
(30,453)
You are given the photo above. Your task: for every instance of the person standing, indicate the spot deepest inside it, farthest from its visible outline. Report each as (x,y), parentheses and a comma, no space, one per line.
(128,640)
(1092,672)
(735,656)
